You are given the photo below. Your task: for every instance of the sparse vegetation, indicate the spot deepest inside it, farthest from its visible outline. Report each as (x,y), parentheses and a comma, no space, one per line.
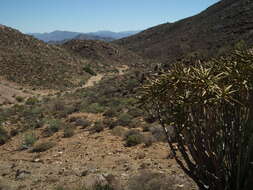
(124,119)
(68,132)
(32,101)
(83,123)
(95,108)
(149,140)
(28,140)
(148,180)
(133,137)
(95,187)
(87,69)
(19,98)
(3,135)
(119,131)
(54,125)
(98,127)
(42,147)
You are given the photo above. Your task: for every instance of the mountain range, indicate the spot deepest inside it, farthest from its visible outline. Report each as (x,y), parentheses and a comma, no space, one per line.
(60,36)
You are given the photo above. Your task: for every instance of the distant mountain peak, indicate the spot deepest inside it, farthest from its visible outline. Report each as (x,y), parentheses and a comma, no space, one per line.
(61,35)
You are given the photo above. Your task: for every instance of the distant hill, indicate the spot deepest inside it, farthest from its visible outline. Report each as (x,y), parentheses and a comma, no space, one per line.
(93,37)
(114,35)
(108,55)
(62,36)
(210,33)
(28,61)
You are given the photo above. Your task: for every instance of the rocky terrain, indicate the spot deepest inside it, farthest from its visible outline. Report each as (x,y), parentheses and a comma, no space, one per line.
(92,134)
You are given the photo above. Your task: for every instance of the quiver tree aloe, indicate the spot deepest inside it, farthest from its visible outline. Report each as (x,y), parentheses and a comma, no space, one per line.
(209,107)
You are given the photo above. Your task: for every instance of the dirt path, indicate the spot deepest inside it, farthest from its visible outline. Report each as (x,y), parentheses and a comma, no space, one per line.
(93,80)
(9,92)
(122,69)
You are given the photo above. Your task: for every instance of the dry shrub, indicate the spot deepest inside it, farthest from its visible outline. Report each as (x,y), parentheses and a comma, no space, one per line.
(42,147)
(149,180)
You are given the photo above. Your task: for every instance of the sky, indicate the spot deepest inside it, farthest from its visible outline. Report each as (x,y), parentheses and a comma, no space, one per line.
(95,15)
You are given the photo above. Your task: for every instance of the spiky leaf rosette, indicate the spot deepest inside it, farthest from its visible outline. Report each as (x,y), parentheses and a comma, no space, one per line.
(209,107)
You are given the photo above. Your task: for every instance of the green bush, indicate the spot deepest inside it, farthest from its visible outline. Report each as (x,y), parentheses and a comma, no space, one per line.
(42,147)
(98,127)
(88,69)
(68,132)
(124,119)
(158,133)
(110,113)
(133,137)
(119,131)
(83,123)
(135,123)
(29,140)
(102,187)
(150,118)
(33,117)
(58,105)
(131,84)
(19,98)
(135,112)
(95,187)
(3,136)
(149,140)
(14,132)
(32,101)
(110,123)
(94,108)
(149,180)
(54,125)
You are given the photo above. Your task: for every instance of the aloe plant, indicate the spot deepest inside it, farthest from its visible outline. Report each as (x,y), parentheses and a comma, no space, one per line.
(210,107)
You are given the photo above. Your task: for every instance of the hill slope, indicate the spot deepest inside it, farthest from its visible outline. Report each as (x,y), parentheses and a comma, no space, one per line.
(28,61)
(209,33)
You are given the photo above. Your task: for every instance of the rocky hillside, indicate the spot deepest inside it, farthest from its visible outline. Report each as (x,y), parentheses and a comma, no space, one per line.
(212,32)
(102,52)
(28,61)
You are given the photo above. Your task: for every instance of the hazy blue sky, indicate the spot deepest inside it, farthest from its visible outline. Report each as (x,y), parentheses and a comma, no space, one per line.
(93,15)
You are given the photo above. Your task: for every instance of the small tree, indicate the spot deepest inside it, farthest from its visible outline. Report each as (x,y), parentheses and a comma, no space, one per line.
(210,109)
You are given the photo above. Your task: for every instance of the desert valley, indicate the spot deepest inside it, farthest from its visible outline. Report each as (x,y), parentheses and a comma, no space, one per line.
(71,111)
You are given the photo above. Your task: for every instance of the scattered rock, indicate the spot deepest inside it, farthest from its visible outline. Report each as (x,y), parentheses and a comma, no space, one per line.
(94,179)
(22,174)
